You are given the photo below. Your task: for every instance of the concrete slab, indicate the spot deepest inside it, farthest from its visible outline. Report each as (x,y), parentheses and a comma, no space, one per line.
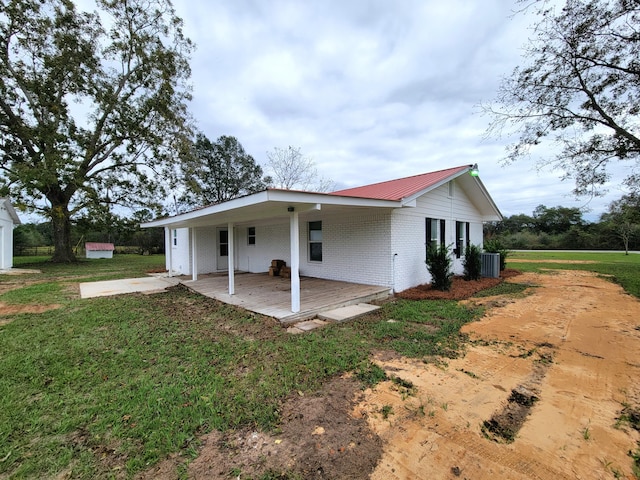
(306,326)
(126,285)
(294,331)
(310,325)
(349,312)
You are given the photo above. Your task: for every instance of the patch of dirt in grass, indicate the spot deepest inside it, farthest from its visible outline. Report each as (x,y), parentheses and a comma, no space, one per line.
(318,438)
(188,308)
(460,288)
(6,309)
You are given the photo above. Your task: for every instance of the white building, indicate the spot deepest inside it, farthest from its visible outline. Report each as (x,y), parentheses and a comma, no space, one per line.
(8,219)
(98,250)
(376,234)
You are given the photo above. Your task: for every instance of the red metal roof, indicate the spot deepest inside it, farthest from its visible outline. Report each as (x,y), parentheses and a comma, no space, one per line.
(402,187)
(98,247)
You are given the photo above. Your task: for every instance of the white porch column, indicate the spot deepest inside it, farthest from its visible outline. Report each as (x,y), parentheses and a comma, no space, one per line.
(231,240)
(295,262)
(168,245)
(194,254)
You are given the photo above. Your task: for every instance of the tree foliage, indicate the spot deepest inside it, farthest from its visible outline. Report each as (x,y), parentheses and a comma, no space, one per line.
(292,170)
(91,105)
(472,262)
(556,219)
(215,172)
(624,218)
(27,235)
(439,265)
(579,88)
(564,228)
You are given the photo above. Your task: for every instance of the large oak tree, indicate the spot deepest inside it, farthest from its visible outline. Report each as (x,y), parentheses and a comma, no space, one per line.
(91,105)
(579,91)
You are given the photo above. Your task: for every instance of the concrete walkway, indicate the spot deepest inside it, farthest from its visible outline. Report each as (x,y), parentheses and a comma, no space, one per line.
(126,285)
(341,314)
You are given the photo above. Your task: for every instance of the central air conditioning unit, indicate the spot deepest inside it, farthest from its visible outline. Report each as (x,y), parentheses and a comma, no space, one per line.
(490,265)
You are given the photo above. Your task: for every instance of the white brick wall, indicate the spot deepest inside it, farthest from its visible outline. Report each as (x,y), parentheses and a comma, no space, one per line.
(206,245)
(355,248)
(408,247)
(272,242)
(409,231)
(180,254)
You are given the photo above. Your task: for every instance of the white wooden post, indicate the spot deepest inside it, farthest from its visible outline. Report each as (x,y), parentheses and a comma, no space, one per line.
(194,254)
(295,261)
(168,244)
(230,258)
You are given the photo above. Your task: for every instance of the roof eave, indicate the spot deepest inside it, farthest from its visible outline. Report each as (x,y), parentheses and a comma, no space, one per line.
(284,197)
(12,211)
(410,200)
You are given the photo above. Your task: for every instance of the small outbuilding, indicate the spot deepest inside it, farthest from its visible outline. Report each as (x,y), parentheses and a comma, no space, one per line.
(99,250)
(8,219)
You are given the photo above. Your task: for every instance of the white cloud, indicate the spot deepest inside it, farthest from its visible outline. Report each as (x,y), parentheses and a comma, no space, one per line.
(371,90)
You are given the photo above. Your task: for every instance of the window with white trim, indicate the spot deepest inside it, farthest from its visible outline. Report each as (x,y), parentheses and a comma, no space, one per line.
(251,235)
(462,238)
(315,241)
(434,233)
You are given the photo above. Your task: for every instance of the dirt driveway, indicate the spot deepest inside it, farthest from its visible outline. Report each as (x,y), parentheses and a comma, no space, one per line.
(538,395)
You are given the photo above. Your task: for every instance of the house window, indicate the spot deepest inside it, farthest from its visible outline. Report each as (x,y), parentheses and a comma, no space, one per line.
(468,233)
(435,233)
(315,241)
(223,241)
(175,238)
(251,236)
(462,237)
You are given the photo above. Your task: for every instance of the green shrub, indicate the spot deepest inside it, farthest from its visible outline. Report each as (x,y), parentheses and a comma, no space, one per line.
(439,266)
(472,262)
(496,246)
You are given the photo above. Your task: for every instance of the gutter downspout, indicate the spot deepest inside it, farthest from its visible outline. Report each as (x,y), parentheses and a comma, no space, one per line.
(393,273)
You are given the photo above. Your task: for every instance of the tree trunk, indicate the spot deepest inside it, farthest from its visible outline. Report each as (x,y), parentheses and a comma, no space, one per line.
(61,225)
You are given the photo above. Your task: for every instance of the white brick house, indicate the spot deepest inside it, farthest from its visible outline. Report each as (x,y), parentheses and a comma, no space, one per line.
(375,235)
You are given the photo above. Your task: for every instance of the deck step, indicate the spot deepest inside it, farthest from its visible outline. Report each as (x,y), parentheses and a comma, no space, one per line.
(315,312)
(349,312)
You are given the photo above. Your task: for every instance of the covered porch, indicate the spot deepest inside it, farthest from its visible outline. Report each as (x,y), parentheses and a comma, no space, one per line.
(261,293)
(248,233)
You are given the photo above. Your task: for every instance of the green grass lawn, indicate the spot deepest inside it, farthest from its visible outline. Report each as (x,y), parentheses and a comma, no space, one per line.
(624,269)
(134,378)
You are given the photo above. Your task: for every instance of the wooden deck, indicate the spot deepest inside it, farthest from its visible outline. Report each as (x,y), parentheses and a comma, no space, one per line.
(260,293)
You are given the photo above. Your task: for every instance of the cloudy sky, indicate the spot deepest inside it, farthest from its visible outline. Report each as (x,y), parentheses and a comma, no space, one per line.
(370,90)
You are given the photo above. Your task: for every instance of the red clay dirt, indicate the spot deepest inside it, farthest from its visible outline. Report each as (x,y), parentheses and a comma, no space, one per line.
(460,288)
(571,346)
